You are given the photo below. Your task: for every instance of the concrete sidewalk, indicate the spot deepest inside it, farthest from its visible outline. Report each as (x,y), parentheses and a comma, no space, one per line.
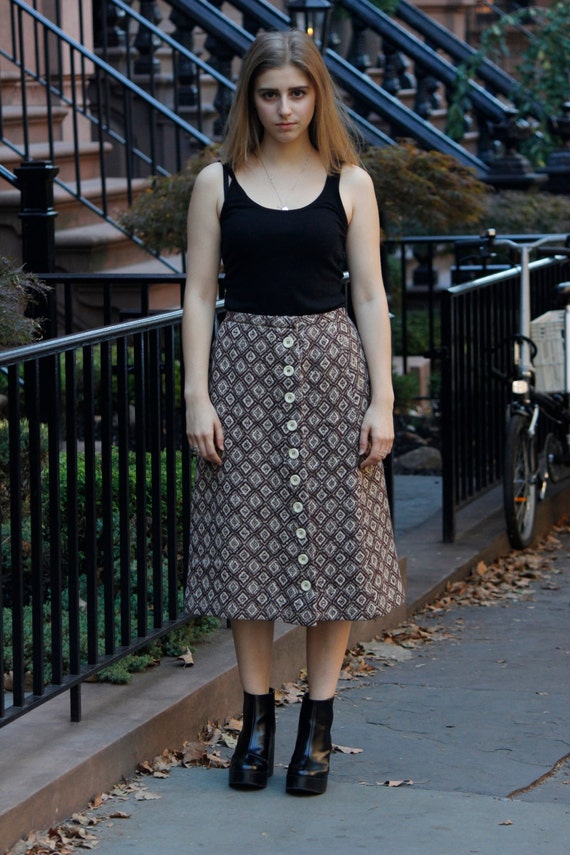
(469,720)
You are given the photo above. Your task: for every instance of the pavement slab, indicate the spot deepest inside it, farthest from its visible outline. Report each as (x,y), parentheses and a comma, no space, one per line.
(468,719)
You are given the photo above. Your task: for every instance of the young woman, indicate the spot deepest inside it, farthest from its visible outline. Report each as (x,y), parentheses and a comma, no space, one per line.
(291,414)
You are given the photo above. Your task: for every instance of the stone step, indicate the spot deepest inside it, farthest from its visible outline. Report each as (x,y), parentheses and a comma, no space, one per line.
(11,86)
(89,249)
(71,212)
(65,156)
(37,120)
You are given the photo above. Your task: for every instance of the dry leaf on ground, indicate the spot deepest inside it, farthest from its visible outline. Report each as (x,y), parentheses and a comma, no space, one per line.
(186,658)
(344,749)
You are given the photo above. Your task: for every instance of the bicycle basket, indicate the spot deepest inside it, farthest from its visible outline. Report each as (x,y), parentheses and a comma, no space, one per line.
(547,332)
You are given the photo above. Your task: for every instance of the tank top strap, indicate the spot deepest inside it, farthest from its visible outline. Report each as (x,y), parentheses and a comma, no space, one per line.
(228,178)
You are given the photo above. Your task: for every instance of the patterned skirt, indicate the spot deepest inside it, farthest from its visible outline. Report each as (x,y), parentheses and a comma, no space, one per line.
(288,527)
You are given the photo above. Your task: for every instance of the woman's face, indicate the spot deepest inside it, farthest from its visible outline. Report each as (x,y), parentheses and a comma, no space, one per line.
(284,99)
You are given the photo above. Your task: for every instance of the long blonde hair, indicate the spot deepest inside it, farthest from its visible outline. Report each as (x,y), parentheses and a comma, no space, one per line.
(329,130)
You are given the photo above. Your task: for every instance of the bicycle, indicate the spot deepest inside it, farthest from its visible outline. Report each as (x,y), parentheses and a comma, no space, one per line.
(527,470)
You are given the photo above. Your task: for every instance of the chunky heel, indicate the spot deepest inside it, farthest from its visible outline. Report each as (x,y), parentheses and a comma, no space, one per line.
(308,770)
(252,763)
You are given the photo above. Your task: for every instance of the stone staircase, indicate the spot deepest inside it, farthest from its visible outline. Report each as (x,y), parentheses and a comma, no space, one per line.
(84,242)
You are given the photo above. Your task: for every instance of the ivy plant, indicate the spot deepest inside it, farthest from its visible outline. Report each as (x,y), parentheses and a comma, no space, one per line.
(542,70)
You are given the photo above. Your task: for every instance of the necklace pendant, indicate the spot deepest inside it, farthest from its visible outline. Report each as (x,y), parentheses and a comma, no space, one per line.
(284,208)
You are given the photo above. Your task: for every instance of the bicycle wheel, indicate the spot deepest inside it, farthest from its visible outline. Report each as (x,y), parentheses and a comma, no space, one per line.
(554,450)
(519,482)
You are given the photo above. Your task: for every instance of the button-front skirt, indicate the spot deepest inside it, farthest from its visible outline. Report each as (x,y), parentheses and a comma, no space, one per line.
(288,527)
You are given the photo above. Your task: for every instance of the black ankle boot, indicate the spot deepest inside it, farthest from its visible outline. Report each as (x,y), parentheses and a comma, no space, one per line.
(309,767)
(252,763)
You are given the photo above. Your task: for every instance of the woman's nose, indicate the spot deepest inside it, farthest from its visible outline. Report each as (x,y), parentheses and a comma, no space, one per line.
(284,107)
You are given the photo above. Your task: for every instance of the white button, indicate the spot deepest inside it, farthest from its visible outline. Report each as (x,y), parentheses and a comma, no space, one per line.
(289,397)
(298,507)
(288,341)
(295,480)
(291,424)
(303,559)
(288,371)
(301,533)
(305,585)
(293,453)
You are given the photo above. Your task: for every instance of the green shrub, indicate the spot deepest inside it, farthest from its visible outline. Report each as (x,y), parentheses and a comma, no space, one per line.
(516,212)
(172,644)
(406,388)
(158,217)
(424,192)
(417,332)
(25,463)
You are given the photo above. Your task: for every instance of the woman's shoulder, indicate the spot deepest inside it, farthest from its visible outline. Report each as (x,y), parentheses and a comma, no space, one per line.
(354,176)
(210,176)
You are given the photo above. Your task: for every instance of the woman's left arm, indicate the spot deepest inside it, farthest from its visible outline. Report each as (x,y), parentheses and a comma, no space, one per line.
(371,311)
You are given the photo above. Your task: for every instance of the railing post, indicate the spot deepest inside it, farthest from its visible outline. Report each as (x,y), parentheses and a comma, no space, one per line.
(357,55)
(109,25)
(448,423)
(186,74)
(221,59)
(146,42)
(427,97)
(37,213)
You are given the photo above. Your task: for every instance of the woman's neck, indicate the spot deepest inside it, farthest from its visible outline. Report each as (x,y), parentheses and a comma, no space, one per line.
(288,154)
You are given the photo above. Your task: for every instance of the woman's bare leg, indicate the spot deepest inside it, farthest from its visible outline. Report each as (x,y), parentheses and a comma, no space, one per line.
(326,646)
(253,641)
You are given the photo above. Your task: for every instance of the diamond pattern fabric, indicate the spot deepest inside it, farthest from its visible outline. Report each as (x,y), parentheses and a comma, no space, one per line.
(288,527)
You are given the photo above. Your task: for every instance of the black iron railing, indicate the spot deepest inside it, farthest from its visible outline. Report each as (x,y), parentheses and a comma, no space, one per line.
(479,320)
(95,495)
(129,131)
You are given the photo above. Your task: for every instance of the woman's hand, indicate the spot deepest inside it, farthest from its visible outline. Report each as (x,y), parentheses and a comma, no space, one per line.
(376,435)
(204,430)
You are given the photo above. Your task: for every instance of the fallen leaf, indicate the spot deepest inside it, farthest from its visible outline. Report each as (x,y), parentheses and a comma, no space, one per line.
(146,796)
(186,658)
(344,749)
(289,693)
(383,650)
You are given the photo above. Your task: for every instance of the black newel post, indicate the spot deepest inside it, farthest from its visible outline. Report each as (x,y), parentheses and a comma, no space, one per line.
(37,213)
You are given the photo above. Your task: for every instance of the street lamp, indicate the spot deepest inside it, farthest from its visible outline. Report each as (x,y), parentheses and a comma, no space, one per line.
(313,17)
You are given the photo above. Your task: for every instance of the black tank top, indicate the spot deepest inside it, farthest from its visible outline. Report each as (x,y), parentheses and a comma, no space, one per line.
(283,262)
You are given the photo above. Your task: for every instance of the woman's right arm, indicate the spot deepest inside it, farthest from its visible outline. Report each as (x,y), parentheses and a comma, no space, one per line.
(203,426)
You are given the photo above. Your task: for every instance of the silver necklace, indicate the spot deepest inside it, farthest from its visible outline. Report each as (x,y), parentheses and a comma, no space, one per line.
(283,205)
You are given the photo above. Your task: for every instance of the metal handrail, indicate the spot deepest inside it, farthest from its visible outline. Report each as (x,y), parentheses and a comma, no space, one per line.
(460,51)
(9,176)
(353,81)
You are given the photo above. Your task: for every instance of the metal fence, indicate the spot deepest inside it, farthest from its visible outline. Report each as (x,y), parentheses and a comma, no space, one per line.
(95,489)
(478,322)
